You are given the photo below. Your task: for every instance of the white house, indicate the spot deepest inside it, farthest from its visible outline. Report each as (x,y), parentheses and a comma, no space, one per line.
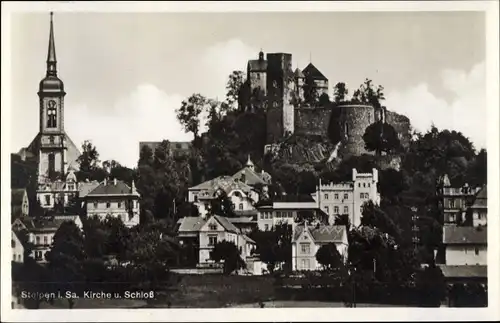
(307,240)
(479,209)
(465,246)
(17,248)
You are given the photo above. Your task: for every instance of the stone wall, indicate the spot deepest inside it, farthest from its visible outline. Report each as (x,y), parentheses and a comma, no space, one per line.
(354,119)
(309,120)
(402,126)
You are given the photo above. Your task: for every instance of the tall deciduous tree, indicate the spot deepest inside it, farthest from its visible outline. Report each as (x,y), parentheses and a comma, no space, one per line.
(329,257)
(65,260)
(340,92)
(89,163)
(228,252)
(381,137)
(233,86)
(189,113)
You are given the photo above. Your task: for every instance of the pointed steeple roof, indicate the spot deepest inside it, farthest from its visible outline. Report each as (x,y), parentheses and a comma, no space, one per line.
(313,72)
(51,54)
(298,73)
(249,163)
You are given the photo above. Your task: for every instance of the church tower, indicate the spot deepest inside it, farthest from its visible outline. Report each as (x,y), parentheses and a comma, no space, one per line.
(52,148)
(52,144)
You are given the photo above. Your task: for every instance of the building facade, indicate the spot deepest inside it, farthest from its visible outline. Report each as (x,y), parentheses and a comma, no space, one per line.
(307,240)
(19,202)
(454,201)
(17,248)
(114,198)
(348,197)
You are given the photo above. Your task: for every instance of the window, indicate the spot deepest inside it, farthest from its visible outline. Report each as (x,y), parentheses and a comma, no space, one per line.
(51,114)
(212,240)
(38,255)
(336,196)
(51,139)
(108,205)
(13,243)
(346,209)
(37,240)
(364,184)
(346,196)
(119,204)
(45,240)
(305,264)
(452,204)
(305,248)
(327,210)
(130,216)
(368,184)
(476,251)
(241,206)
(326,196)
(95,205)
(266,227)
(52,164)
(359,184)
(212,226)
(262,216)
(361,195)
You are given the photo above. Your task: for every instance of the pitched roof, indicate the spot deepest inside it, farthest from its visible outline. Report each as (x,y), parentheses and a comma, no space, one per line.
(85,188)
(190,224)
(111,188)
(226,224)
(323,233)
(226,183)
(251,177)
(17,195)
(481,200)
(313,72)
(43,224)
(248,239)
(242,219)
(256,65)
(464,235)
(464,271)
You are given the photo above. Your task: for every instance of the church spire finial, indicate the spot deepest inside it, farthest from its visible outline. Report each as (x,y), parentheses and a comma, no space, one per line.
(51,55)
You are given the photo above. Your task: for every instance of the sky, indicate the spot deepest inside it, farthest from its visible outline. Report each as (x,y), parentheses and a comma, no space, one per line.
(126,73)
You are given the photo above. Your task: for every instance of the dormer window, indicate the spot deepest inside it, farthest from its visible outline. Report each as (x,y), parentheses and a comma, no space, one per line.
(212,226)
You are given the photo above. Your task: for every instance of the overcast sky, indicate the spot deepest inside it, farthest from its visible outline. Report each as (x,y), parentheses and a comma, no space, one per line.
(125,74)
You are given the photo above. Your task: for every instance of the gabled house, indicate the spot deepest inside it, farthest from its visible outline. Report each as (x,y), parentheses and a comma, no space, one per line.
(208,232)
(479,209)
(17,248)
(19,202)
(114,198)
(307,240)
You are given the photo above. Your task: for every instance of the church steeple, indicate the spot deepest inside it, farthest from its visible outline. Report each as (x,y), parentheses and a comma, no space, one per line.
(51,55)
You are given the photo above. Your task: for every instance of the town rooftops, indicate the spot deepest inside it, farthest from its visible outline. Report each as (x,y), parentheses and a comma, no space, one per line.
(42,224)
(464,235)
(85,188)
(225,183)
(226,224)
(250,177)
(312,72)
(190,224)
(464,271)
(322,233)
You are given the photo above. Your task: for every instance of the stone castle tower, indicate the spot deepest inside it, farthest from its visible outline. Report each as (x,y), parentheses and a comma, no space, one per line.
(273,81)
(52,148)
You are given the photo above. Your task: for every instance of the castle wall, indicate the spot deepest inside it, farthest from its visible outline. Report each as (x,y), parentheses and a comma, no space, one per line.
(312,120)
(401,124)
(354,119)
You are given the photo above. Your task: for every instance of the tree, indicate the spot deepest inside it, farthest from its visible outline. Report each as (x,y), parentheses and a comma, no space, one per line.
(340,92)
(381,137)
(234,84)
(65,260)
(228,252)
(329,257)
(221,205)
(430,286)
(89,163)
(368,94)
(190,111)
(274,247)
(343,219)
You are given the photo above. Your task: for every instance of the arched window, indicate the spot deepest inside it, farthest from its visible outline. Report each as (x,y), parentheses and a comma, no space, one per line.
(51,114)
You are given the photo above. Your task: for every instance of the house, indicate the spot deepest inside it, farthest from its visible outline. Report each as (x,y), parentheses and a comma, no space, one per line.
(245,188)
(58,192)
(348,197)
(307,240)
(17,248)
(208,232)
(479,209)
(114,198)
(288,209)
(19,202)
(454,201)
(465,246)
(41,233)
(241,195)
(246,224)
